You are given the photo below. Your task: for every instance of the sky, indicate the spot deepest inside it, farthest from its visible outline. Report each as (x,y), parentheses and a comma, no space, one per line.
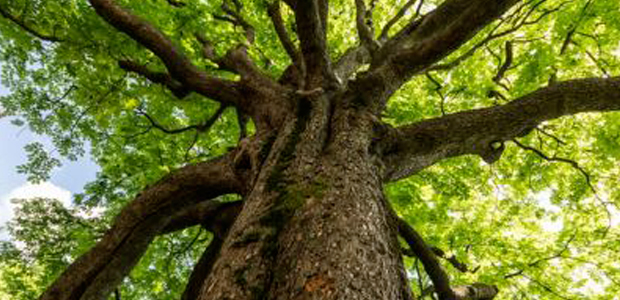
(65,181)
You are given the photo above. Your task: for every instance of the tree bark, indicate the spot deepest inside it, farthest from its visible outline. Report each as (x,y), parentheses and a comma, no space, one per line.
(96,273)
(316,224)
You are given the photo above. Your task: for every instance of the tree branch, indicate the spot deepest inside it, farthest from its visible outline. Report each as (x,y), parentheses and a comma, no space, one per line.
(235,60)
(220,217)
(213,215)
(574,27)
(535,263)
(462,267)
(176,3)
(364,31)
(179,66)
(351,61)
(276,18)
(426,41)
(102,268)
(495,35)
(452,260)
(199,128)
(22,24)
(506,65)
(310,16)
(278,23)
(411,148)
(162,78)
(429,260)
(476,291)
(202,269)
(571,162)
(439,33)
(234,17)
(441,282)
(401,13)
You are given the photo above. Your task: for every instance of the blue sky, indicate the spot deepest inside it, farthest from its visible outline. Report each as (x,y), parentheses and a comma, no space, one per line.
(65,180)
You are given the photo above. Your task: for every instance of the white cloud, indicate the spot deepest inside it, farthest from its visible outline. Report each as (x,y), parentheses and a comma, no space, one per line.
(43,190)
(28,191)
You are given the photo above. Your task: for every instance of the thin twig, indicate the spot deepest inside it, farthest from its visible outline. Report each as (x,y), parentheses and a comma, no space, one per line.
(573,163)
(438,88)
(571,32)
(544,259)
(199,128)
(557,139)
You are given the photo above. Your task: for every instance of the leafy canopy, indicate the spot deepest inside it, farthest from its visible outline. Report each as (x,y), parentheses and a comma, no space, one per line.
(538,228)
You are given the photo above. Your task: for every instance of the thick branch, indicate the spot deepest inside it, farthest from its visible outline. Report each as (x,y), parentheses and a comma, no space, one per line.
(364,31)
(411,148)
(220,217)
(310,15)
(50,38)
(462,267)
(276,18)
(426,41)
(202,269)
(439,33)
(476,291)
(351,61)
(525,20)
(179,66)
(156,77)
(103,267)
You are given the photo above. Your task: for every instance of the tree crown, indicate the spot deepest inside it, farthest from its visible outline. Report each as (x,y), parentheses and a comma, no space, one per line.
(148,100)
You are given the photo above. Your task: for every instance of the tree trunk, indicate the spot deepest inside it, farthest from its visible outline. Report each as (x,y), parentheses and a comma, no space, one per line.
(316,224)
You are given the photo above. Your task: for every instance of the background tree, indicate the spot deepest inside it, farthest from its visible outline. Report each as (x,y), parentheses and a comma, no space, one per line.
(309,153)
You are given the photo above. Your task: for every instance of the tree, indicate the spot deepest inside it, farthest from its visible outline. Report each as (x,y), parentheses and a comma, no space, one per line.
(322,144)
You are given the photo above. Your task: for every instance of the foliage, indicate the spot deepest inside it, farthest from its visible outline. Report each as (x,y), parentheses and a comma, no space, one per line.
(46,236)
(533,227)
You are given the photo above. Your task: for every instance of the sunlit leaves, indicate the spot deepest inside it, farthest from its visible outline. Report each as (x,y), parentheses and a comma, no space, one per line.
(535,227)
(46,237)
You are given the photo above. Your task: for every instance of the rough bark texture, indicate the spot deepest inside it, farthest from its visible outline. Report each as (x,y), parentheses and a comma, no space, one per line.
(298,235)
(314,222)
(411,148)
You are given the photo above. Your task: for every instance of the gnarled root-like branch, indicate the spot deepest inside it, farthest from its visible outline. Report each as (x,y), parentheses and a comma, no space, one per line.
(98,271)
